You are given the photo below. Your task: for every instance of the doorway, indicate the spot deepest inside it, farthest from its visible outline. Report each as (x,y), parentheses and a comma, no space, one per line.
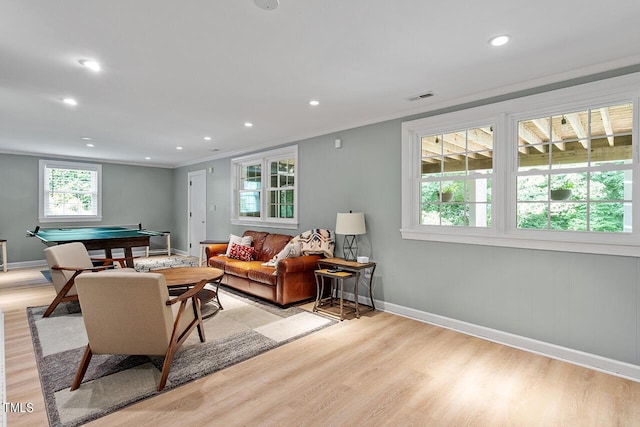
(197,215)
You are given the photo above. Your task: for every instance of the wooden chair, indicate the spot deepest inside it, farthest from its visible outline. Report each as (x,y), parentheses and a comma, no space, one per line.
(132,313)
(65,263)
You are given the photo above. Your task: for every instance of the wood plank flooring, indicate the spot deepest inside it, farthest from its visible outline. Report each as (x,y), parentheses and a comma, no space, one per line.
(379,370)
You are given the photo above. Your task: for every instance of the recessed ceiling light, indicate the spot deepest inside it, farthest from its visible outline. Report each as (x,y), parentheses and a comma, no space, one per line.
(85,138)
(314,102)
(207,138)
(70,101)
(90,145)
(90,64)
(267,4)
(248,124)
(147,158)
(178,148)
(500,40)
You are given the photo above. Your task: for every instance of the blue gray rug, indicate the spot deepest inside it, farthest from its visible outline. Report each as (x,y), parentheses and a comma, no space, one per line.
(153,263)
(156,263)
(245,328)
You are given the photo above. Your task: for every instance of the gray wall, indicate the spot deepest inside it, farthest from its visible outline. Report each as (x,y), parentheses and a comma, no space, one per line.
(131,195)
(583,302)
(579,301)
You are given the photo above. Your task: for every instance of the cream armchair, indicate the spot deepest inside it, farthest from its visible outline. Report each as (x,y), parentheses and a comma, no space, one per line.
(65,263)
(131,313)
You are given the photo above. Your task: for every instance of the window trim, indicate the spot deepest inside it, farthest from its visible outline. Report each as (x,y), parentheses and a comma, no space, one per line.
(62,164)
(476,122)
(546,234)
(505,115)
(264,158)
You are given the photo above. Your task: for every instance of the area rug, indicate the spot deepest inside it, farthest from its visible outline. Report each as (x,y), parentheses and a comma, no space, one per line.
(153,263)
(245,328)
(156,263)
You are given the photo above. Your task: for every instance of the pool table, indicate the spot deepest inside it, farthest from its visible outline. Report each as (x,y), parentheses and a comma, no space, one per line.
(95,238)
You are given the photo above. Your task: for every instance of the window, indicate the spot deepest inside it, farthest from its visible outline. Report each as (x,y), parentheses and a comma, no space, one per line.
(69,191)
(250,190)
(550,171)
(281,188)
(265,187)
(456,171)
(575,170)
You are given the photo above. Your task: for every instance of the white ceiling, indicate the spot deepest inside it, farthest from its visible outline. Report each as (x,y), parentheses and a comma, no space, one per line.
(176,71)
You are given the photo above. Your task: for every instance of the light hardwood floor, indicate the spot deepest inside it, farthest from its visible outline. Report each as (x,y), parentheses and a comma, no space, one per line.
(380,369)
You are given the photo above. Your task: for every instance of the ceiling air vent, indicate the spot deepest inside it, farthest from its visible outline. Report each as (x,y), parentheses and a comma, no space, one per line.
(421,96)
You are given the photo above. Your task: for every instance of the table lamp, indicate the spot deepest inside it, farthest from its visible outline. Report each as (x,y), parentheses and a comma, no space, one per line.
(350,225)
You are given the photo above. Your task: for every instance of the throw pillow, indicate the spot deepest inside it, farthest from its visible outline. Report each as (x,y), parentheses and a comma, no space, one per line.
(239,240)
(241,252)
(291,250)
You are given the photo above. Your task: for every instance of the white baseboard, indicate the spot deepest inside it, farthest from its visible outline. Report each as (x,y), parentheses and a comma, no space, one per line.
(576,357)
(26,264)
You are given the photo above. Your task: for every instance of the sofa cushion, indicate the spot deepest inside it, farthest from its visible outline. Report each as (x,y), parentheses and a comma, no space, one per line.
(218,261)
(258,240)
(240,268)
(263,275)
(272,246)
(242,253)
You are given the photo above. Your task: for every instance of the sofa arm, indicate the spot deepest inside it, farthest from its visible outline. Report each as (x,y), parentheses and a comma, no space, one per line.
(302,263)
(215,249)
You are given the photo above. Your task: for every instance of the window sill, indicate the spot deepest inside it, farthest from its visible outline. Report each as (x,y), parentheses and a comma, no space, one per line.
(629,248)
(71,219)
(266,224)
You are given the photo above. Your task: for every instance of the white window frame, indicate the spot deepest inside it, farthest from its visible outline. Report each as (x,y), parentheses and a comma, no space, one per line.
(505,116)
(411,160)
(264,158)
(58,164)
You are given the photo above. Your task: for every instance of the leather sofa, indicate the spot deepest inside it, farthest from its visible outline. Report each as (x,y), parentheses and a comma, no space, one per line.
(292,282)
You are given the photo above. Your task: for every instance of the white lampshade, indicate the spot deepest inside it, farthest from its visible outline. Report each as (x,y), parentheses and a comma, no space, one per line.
(350,223)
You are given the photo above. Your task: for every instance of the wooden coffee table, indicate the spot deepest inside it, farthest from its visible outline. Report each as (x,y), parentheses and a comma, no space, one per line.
(184,277)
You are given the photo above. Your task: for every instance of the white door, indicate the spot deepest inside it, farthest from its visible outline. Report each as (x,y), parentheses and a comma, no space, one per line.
(197,210)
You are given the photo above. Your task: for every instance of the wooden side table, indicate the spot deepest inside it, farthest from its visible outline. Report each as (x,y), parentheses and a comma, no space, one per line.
(337,279)
(353,267)
(167,235)
(3,246)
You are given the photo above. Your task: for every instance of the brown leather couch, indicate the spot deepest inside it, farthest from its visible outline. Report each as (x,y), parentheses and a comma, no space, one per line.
(294,280)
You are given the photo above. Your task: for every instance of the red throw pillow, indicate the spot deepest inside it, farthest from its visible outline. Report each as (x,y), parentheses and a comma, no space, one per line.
(243,253)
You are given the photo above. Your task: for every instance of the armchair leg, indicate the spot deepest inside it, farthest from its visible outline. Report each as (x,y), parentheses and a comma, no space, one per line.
(62,295)
(198,315)
(51,307)
(82,369)
(56,301)
(166,366)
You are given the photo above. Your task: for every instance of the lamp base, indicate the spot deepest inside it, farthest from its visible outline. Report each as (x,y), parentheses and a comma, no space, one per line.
(350,247)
